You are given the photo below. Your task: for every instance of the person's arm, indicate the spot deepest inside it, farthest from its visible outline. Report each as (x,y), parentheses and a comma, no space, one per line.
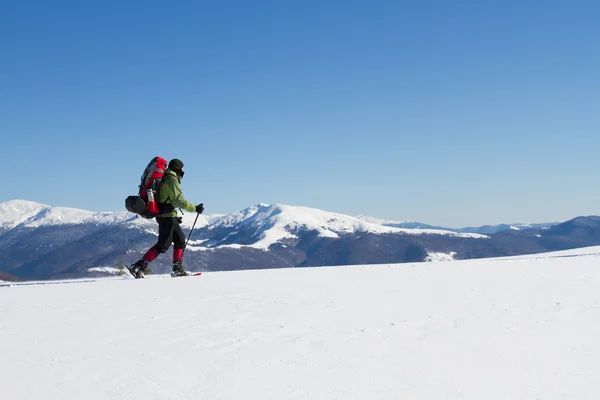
(179,201)
(175,195)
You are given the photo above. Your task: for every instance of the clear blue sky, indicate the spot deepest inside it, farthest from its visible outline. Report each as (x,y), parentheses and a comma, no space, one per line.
(446,112)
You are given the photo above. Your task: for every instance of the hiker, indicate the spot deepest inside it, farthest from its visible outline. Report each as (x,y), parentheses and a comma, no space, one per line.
(169,230)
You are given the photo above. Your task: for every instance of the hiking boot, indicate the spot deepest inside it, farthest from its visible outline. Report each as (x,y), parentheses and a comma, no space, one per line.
(178,269)
(139,268)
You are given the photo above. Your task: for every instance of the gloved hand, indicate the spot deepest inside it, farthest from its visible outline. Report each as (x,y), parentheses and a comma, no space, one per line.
(200,208)
(179,219)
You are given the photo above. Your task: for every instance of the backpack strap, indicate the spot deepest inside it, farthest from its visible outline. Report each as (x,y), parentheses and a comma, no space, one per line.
(166,208)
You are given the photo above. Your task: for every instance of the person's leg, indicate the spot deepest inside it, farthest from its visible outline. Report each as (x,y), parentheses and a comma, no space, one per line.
(166,227)
(178,246)
(165,237)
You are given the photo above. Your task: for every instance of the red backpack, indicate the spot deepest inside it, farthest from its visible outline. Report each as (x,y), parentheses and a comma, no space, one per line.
(144,204)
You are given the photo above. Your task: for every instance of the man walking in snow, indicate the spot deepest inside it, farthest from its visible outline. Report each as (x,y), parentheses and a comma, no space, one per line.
(169,230)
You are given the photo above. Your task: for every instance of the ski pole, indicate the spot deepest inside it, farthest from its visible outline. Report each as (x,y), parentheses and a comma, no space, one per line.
(192,230)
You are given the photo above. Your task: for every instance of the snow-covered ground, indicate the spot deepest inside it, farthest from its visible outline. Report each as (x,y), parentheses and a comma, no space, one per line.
(433,256)
(106,270)
(507,328)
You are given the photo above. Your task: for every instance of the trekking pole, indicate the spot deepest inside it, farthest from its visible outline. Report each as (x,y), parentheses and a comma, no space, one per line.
(192,230)
(124,218)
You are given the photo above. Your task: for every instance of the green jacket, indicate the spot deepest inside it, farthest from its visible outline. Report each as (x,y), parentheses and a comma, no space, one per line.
(169,192)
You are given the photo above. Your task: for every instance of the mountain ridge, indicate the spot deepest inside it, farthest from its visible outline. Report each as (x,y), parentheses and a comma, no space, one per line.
(29,209)
(43,242)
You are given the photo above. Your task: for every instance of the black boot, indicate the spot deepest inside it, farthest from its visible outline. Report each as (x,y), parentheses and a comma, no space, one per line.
(178,269)
(139,268)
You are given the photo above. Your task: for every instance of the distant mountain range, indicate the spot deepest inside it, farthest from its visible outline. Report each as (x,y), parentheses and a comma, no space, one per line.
(484,230)
(43,242)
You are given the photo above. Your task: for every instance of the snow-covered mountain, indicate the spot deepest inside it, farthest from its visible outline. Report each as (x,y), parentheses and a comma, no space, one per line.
(483,230)
(27,214)
(271,222)
(40,242)
(379,221)
(507,328)
(263,225)
(490,229)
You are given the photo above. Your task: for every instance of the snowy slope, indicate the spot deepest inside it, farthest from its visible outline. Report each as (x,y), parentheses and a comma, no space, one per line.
(15,212)
(203,220)
(379,221)
(511,328)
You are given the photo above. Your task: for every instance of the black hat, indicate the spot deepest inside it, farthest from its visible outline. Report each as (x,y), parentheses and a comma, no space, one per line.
(176,165)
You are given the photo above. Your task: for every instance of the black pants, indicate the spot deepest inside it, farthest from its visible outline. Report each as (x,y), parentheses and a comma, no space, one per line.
(169,232)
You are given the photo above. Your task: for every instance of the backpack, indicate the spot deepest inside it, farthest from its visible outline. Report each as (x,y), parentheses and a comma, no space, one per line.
(144,204)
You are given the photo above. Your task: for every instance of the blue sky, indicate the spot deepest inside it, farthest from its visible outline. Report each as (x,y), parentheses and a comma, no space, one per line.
(453,113)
